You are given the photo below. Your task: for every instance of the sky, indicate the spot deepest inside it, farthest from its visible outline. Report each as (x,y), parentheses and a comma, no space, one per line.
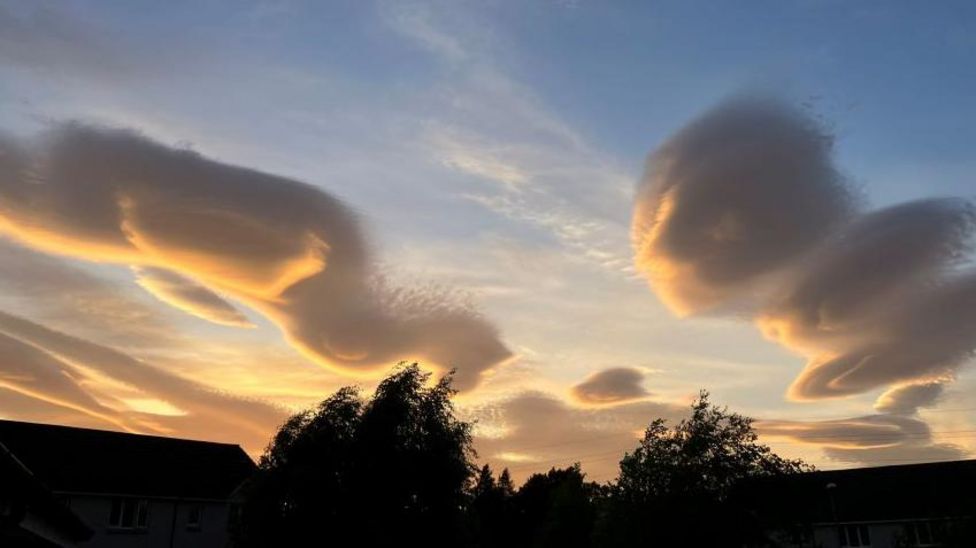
(214,214)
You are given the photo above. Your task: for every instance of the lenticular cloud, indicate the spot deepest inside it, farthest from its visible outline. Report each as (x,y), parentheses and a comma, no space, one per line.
(732,198)
(199,231)
(613,385)
(743,210)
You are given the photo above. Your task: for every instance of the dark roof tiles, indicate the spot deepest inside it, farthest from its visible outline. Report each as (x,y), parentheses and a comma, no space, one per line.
(908,491)
(82,460)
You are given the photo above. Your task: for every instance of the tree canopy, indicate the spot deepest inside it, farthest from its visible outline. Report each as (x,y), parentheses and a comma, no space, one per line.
(398,469)
(390,470)
(704,455)
(679,477)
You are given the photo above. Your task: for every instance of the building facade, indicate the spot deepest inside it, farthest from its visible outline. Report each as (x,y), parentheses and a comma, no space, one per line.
(931,504)
(134,490)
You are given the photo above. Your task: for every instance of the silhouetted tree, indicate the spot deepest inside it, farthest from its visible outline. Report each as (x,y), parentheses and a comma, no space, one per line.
(505,485)
(389,471)
(490,512)
(556,509)
(673,487)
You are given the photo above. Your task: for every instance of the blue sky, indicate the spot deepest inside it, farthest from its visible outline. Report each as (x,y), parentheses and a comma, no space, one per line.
(492,149)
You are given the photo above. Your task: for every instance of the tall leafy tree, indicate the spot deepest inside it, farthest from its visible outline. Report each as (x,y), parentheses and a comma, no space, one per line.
(391,470)
(490,511)
(679,478)
(557,508)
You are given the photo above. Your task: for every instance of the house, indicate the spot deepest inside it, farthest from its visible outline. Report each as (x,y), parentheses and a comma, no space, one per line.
(133,490)
(30,515)
(931,504)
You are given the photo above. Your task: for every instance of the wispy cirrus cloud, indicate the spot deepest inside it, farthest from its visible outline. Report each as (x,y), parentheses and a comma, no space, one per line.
(113,389)
(40,37)
(517,158)
(51,289)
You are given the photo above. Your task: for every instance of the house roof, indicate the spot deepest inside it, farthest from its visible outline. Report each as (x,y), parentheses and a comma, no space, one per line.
(910,491)
(82,460)
(24,494)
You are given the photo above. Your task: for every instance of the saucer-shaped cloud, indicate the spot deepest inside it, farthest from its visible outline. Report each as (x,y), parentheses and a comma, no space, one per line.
(614,385)
(855,277)
(734,196)
(882,439)
(189,296)
(284,248)
(744,209)
(908,398)
(535,431)
(919,336)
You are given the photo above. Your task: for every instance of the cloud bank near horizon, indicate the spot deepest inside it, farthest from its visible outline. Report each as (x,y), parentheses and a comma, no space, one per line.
(894,435)
(45,373)
(533,430)
(201,233)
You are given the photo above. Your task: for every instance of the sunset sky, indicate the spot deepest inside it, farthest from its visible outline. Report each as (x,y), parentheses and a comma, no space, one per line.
(213,214)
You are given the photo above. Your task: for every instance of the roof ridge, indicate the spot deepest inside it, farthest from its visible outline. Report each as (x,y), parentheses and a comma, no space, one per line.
(116,432)
(897,465)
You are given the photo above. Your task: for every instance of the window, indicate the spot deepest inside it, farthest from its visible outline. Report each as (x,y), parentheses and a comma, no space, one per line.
(801,535)
(925,533)
(854,535)
(234,516)
(194,514)
(129,513)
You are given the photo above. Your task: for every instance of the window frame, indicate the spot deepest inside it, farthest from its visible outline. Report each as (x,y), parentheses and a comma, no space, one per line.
(128,514)
(194,510)
(854,535)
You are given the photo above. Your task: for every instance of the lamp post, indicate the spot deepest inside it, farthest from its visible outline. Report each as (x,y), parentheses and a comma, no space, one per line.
(831,487)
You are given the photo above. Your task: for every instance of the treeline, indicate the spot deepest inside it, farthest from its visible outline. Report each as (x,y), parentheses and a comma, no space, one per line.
(398,469)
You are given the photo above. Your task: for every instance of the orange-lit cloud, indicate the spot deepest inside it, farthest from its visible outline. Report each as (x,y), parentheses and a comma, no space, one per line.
(614,385)
(906,399)
(895,435)
(534,431)
(743,212)
(872,440)
(283,248)
(31,372)
(190,297)
(98,382)
(730,199)
(57,293)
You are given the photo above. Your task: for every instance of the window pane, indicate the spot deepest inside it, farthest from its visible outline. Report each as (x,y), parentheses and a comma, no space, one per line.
(193,516)
(865,535)
(114,517)
(852,539)
(841,537)
(910,535)
(142,517)
(923,533)
(128,513)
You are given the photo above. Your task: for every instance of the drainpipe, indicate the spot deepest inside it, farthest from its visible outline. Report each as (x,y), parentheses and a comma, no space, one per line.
(172,525)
